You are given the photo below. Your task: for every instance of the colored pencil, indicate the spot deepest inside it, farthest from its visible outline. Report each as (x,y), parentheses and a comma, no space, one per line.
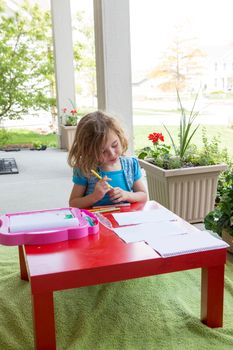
(104,210)
(99,177)
(111,205)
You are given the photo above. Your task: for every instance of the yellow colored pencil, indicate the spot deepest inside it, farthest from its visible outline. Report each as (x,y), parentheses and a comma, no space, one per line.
(111,205)
(106,210)
(99,177)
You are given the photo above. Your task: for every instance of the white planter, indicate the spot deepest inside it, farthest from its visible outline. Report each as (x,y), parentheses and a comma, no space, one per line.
(188,192)
(67,136)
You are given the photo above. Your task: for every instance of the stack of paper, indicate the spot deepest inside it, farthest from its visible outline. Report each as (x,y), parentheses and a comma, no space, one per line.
(163,233)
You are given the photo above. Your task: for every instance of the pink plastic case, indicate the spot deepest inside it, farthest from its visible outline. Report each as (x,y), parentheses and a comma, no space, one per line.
(63,224)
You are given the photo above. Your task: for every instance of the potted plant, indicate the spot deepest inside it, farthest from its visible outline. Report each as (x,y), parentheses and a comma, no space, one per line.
(69,120)
(38,146)
(220,219)
(185,180)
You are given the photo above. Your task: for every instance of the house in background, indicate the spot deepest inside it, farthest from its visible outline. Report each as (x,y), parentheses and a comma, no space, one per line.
(219,77)
(216,77)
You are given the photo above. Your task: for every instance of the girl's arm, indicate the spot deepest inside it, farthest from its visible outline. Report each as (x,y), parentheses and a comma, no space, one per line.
(78,200)
(139,193)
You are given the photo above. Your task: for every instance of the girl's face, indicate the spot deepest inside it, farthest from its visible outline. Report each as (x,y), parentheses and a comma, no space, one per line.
(111,150)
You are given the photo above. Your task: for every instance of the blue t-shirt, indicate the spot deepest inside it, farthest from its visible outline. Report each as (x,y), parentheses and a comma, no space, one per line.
(123,178)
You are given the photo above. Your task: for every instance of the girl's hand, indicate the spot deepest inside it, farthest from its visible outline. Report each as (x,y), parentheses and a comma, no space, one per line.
(101,188)
(117,195)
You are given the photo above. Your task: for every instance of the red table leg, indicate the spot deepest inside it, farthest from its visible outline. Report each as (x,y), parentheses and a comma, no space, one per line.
(44,323)
(22,264)
(212,291)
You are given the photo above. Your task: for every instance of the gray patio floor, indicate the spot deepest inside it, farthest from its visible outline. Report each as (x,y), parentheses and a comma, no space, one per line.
(44,181)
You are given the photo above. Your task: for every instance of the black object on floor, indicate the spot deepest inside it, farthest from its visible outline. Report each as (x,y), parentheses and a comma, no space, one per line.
(8,166)
(11,149)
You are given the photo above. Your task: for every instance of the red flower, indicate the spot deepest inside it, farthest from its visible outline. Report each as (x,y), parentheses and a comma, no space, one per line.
(161,137)
(73,111)
(155,137)
(64,110)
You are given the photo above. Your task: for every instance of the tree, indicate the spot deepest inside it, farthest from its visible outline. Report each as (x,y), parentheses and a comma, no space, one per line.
(27,79)
(26,62)
(180,65)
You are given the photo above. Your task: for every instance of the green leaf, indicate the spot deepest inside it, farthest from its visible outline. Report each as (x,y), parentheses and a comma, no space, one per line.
(142,155)
(172,140)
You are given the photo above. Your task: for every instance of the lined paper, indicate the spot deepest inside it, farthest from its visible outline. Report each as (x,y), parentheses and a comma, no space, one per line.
(186,243)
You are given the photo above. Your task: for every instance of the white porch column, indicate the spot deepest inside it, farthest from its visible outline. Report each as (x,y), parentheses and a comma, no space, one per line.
(113,61)
(63,55)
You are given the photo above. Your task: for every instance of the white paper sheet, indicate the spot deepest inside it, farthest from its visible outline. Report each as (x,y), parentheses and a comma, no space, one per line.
(147,231)
(42,221)
(143,216)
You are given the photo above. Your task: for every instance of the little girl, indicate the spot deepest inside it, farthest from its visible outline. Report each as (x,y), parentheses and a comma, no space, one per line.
(99,145)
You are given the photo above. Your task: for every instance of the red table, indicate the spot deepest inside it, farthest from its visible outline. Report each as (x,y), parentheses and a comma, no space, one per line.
(106,258)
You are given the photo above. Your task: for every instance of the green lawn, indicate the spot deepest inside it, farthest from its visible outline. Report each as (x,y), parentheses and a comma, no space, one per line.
(23,137)
(224,133)
(140,136)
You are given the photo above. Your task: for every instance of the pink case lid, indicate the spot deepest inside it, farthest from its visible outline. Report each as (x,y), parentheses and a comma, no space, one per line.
(83,223)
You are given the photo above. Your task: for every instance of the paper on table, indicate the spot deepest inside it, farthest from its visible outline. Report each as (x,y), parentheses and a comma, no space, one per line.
(148,231)
(143,216)
(42,220)
(185,243)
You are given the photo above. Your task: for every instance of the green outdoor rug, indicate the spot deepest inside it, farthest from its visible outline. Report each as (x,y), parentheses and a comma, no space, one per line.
(159,312)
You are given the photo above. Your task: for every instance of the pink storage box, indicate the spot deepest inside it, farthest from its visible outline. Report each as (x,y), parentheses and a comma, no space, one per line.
(47,226)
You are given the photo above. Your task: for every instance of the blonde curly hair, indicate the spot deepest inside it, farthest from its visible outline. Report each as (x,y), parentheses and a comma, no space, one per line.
(91,134)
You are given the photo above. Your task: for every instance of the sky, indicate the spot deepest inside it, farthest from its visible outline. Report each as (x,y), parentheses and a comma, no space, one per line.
(208,20)
(153,21)
(152,24)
